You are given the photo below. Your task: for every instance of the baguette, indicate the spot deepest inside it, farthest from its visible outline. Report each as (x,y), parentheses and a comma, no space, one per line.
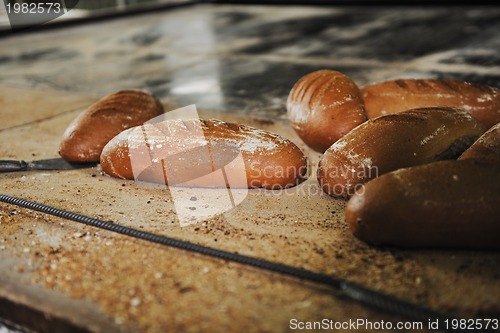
(89,132)
(196,153)
(395,141)
(487,147)
(323,106)
(480,100)
(453,204)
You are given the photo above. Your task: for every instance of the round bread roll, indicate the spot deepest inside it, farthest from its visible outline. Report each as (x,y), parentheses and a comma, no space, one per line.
(204,153)
(487,147)
(87,134)
(323,106)
(480,100)
(452,204)
(395,141)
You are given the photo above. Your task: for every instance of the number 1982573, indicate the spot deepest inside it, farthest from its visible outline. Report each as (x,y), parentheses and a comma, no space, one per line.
(472,324)
(34,8)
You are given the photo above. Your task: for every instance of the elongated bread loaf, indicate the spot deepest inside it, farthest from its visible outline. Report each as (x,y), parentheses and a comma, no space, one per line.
(395,141)
(487,147)
(442,204)
(198,153)
(323,106)
(481,101)
(87,134)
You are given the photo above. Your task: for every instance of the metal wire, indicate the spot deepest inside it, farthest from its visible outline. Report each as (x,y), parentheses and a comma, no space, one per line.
(356,292)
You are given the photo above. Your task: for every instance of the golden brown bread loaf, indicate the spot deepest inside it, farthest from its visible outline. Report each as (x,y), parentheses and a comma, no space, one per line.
(442,204)
(487,147)
(87,134)
(197,152)
(323,106)
(394,141)
(481,101)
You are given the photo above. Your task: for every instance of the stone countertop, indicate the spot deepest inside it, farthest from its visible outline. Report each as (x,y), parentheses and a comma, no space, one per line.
(236,63)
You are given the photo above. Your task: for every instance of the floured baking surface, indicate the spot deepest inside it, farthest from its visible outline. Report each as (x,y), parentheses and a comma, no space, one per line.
(131,285)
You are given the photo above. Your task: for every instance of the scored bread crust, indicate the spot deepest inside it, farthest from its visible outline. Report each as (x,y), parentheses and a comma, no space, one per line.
(323,106)
(394,141)
(193,153)
(89,132)
(480,100)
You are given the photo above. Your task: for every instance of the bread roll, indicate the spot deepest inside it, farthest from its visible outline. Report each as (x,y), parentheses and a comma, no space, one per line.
(86,136)
(198,152)
(323,106)
(481,101)
(395,141)
(487,147)
(443,204)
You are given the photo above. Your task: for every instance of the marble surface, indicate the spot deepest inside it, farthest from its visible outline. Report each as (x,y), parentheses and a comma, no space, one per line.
(246,58)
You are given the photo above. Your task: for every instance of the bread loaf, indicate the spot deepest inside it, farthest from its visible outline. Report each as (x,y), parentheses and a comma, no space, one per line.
(323,106)
(486,148)
(197,152)
(86,136)
(481,101)
(394,141)
(443,204)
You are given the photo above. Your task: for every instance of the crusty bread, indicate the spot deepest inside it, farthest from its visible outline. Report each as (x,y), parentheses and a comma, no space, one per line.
(487,147)
(323,106)
(87,134)
(442,204)
(481,101)
(196,152)
(394,141)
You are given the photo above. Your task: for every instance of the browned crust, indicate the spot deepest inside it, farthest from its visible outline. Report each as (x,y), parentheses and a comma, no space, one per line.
(394,141)
(442,204)
(487,147)
(87,135)
(323,106)
(173,154)
(480,100)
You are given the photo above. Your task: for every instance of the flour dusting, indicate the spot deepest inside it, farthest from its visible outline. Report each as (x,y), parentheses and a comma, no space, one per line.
(433,135)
